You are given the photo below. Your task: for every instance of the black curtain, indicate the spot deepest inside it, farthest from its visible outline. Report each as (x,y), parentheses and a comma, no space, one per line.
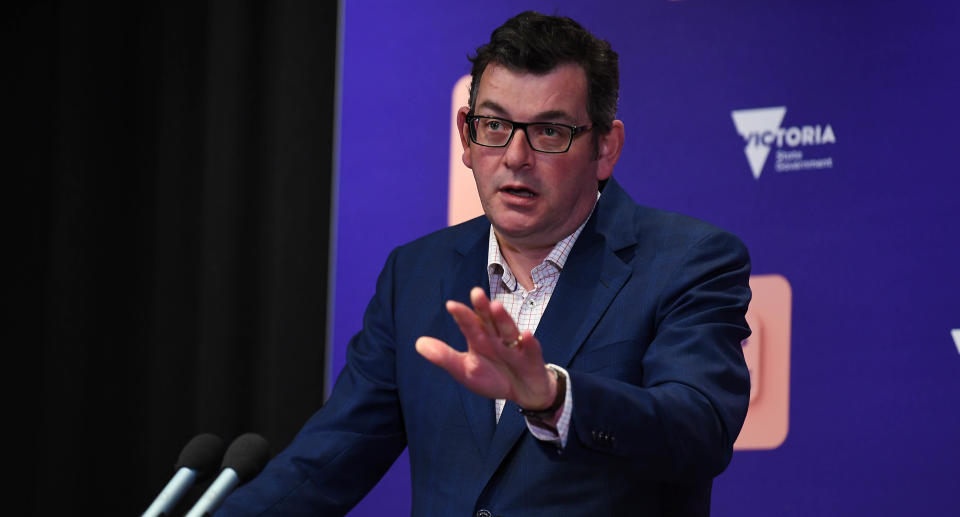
(175,193)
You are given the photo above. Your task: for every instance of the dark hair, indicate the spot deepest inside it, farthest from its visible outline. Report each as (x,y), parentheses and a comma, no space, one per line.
(537,43)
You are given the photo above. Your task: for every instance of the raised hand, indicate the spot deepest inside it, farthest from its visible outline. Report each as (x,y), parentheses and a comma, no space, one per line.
(500,362)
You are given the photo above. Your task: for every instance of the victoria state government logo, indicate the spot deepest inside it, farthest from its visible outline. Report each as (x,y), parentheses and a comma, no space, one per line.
(762,130)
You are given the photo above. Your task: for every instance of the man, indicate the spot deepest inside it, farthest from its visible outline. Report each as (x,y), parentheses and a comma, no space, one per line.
(605,377)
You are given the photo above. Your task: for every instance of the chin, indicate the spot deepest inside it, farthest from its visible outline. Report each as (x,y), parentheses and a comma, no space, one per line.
(516,232)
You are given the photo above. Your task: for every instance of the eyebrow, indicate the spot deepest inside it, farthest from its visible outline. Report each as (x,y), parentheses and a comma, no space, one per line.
(544,116)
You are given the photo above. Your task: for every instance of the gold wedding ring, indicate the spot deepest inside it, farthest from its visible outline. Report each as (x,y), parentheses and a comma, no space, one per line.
(515,343)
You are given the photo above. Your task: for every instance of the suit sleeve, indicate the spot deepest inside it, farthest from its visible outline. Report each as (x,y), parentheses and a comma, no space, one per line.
(346,447)
(679,423)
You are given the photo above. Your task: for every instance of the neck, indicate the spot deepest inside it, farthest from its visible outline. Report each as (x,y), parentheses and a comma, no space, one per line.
(522,259)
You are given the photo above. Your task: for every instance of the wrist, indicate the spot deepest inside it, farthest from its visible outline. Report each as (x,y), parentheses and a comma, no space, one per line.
(547,413)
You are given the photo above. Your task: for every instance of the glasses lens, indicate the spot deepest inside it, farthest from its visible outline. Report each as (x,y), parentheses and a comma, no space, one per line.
(491,131)
(549,137)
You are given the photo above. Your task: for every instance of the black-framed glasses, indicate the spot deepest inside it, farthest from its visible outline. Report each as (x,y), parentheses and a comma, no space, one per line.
(546,137)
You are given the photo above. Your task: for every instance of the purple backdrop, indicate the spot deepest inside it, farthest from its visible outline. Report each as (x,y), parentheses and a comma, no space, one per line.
(870,244)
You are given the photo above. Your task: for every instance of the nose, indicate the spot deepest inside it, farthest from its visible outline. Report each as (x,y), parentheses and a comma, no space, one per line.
(519,154)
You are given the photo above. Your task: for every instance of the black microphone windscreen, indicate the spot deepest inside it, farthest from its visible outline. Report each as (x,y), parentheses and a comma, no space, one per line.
(247,455)
(201,454)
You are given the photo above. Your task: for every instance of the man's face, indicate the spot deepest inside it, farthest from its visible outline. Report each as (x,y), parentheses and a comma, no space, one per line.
(535,199)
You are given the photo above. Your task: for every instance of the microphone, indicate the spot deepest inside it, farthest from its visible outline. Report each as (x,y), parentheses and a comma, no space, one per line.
(245,458)
(198,458)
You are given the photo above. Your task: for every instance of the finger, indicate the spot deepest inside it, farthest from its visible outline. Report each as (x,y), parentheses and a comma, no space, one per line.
(478,298)
(531,347)
(462,314)
(442,355)
(503,323)
(481,306)
(500,322)
(473,328)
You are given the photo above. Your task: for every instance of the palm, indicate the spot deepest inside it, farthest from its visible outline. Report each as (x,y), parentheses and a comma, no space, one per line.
(489,367)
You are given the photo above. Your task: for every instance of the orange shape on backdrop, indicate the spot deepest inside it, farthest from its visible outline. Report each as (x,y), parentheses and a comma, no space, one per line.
(767,352)
(463,202)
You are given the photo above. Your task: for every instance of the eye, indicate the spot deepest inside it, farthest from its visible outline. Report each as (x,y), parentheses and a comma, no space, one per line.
(494,125)
(550,131)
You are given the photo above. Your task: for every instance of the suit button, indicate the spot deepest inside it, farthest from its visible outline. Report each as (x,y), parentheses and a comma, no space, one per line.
(484,513)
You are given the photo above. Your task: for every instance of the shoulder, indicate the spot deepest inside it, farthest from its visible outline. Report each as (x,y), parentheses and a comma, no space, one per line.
(452,237)
(625,223)
(674,229)
(438,248)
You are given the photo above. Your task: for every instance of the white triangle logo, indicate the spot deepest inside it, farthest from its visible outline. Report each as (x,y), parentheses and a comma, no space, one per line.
(752,124)
(956,338)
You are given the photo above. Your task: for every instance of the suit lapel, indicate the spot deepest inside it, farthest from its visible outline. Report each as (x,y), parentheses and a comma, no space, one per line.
(591,279)
(469,273)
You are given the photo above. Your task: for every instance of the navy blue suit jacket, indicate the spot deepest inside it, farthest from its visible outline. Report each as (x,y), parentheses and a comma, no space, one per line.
(647,316)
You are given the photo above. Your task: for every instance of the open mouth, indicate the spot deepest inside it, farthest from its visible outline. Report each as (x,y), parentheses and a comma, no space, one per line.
(519,191)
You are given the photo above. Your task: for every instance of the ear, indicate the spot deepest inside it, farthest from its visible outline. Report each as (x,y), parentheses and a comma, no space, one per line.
(464,135)
(608,150)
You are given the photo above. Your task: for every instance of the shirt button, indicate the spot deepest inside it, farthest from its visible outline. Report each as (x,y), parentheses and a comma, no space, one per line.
(484,513)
